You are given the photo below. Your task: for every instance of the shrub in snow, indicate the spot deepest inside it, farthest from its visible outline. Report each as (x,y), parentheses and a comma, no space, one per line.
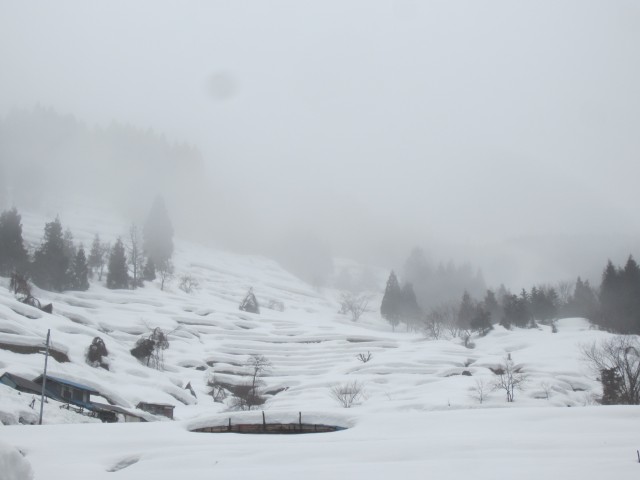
(150,349)
(188,284)
(276,305)
(348,394)
(250,303)
(364,357)
(13,465)
(96,353)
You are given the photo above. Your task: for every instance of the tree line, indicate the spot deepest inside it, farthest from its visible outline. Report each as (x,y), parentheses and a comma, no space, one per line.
(613,306)
(59,264)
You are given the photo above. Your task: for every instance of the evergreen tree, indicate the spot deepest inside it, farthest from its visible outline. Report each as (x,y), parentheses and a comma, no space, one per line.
(492,307)
(158,233)
(391,306)
(544,303)
(410,308)
(80,272)
(410,311)
(118,276)
(584,302)
(516,310)
(631,297)
(611,297)
(13,254)
(69,248)
(466,311)
(149,271)
(481,320)
(50,264)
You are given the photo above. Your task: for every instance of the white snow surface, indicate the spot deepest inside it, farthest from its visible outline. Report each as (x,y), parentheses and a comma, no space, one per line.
(418,418)
(13,465)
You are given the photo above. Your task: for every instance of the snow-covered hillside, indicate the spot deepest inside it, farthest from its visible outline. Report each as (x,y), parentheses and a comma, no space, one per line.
(418,412)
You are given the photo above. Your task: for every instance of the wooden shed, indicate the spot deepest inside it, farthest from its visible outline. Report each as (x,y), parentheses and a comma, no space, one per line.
(68,391)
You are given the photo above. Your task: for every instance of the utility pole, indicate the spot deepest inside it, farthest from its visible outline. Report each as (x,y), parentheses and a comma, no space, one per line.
(44,377)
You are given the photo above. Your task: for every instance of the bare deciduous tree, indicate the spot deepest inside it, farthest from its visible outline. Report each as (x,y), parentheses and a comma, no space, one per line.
(248,395)
(354,305)
(509,377)
(480,390)
(434,324)
(348,394)
(165,272)
(136,258)
(617,361)
(546,389)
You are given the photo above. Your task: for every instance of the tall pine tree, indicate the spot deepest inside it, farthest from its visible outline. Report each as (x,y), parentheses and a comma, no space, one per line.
(50,264)
(391,306)
(13,254)
(158,234)
(80,271)
(118,275)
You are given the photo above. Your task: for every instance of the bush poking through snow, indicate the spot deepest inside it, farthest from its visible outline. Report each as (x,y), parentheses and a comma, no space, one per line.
(617,360)
(150,349)
(348,394)
(250,303)
(188,283)
(364,357)
(275,305)
(509,377)
(96,353)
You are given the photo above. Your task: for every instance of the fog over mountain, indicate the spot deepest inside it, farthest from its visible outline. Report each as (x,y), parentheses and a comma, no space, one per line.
(498,133)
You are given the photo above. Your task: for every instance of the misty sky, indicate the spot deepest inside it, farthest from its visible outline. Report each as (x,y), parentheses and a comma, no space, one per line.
(460,126)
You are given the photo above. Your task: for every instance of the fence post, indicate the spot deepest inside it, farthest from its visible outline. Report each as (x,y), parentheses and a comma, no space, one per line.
(264,422)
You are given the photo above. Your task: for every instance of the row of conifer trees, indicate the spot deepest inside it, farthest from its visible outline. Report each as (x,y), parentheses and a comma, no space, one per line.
(614,306)
(58,263)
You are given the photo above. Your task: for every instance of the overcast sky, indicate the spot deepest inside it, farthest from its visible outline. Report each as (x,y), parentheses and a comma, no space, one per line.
(456,125)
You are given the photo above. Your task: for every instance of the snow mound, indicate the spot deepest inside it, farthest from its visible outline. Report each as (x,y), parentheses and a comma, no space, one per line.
(13,465)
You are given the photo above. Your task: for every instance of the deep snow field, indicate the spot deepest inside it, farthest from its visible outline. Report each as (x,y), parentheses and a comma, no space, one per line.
(418,419)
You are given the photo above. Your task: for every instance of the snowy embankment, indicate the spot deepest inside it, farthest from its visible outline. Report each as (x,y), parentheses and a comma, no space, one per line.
(523,443)
(419,413)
